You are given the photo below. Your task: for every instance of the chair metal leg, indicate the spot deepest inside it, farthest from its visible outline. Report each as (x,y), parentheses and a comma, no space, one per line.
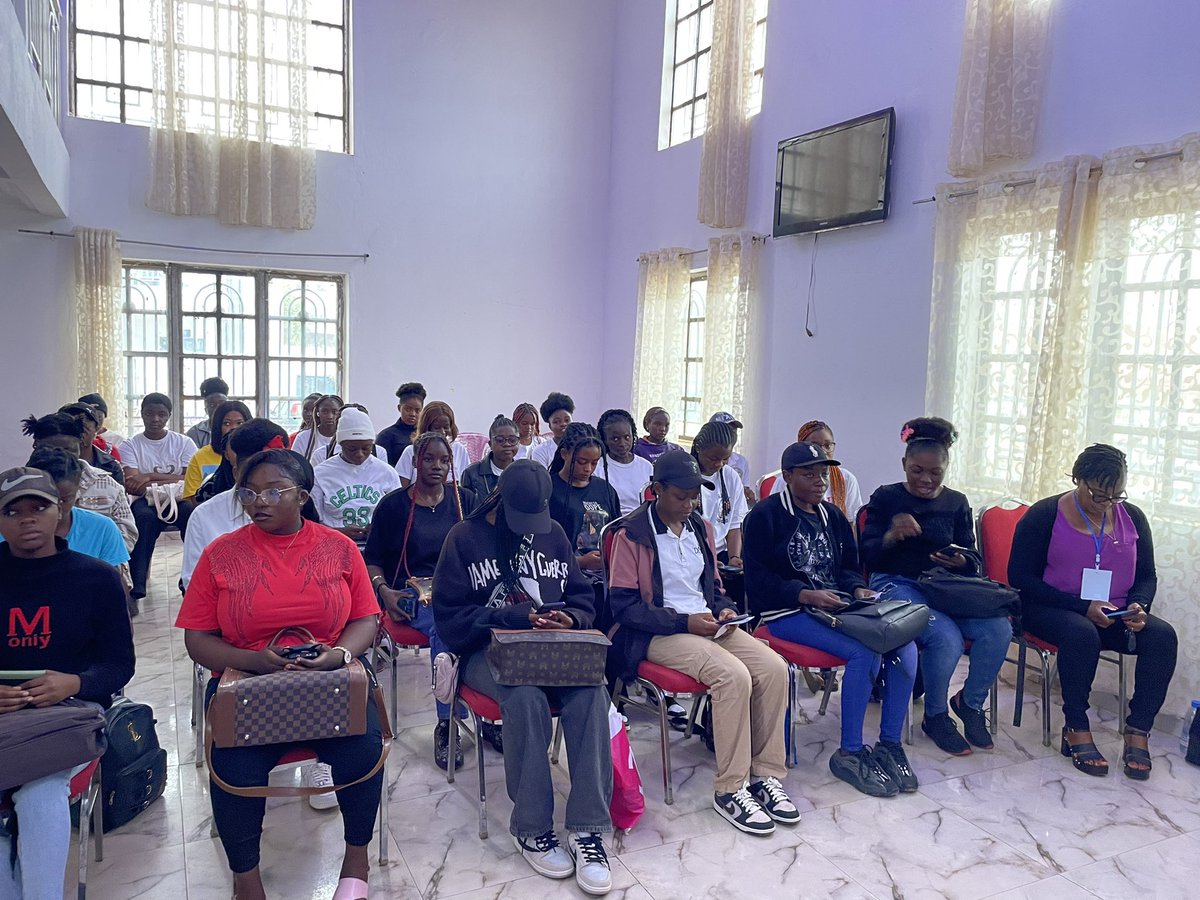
(1022,649)
(383,820)
(1122,693)
(664,735)
(994,707)
(908,722)
(483,828)
(1046,676)
(455,737)
(199,714)
(395,688)
(86,804)
(826,695)
(558,736)
(793,755)
(98,823)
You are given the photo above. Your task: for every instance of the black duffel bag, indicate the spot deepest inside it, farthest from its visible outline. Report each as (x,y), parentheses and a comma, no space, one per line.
(967,596)
(133,771)
(879,625)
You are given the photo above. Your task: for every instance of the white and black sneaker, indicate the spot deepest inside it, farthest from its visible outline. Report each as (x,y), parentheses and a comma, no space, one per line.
(775,802)
(319,775)
(592,872)
(546,855)
(744,812)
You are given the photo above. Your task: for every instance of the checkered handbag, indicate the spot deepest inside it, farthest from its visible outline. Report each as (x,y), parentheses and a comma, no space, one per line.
(547,658)
(289,706)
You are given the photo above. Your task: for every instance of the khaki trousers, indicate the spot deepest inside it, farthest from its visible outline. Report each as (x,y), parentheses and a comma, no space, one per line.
(749,687)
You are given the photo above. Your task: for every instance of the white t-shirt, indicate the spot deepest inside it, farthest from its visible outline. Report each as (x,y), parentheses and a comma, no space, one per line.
(404,465)
(681,563)
(218,515)
(169,455)
(545,453)
(345,494)
(526,451)
(740,465)
(711,504)
(854,498)
(629,480)
(319,453)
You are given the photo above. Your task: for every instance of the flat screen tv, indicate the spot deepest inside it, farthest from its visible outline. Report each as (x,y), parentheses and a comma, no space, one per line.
(836,177)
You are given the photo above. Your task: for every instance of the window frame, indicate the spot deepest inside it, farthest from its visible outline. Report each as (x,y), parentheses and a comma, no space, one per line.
(697,275)
(73,79)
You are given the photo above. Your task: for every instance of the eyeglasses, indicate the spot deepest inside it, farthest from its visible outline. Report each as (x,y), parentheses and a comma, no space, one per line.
(1107,498)
(828,446)
(269,497)
(506,441)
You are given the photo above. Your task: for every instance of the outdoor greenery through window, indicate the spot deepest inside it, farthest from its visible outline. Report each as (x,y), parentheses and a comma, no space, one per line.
(686,61)
(275,337)
(112,70)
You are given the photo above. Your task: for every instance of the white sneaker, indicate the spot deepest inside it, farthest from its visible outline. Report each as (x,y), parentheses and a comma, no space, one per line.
(774,801)
(592,872)
(546,855)
(319,775)
(743,812)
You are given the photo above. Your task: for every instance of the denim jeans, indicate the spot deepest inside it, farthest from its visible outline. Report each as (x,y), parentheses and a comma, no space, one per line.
(43,809)
(528,730)
(424,623)
(942,645)
(862,665)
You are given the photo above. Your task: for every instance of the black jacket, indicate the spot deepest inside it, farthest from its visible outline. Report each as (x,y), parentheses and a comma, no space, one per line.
(479,477)
(1031,546)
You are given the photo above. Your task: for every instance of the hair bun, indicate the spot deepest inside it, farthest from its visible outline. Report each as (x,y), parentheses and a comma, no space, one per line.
(929,428)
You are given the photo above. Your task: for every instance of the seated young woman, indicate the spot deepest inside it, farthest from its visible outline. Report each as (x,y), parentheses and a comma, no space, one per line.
(1084,564)
(665,596)
(278,572)
(556,410)
(800,552)
(226,417)
(724,507)
(436,416)
(307,413)
(843,491)
(312,441)
(657,423)
(410,527)
(628,473)
(485,578)
(410,398)
(529,427)
(913,526)
(154,457)
(503,442)
(73,608)
(213,391)
(350,485)
(580,502)
(737,462)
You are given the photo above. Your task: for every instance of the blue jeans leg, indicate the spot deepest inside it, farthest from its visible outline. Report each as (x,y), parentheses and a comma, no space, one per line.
(989,646)
(941,642)
(42,807)
(424,623)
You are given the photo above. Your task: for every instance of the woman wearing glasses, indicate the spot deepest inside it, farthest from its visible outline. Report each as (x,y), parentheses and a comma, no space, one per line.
(843,490)
(278,572)
(503,444)
(1084,564)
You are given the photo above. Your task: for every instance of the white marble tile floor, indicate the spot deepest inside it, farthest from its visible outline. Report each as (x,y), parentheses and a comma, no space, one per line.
(1018,822)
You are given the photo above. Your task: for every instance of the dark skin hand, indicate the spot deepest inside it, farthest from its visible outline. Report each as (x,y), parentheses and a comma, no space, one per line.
(49,689)
(705,625)
(550,618)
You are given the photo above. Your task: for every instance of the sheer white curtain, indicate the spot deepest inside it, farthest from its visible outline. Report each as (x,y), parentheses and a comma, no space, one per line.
(1066,312)
(664,281)
(230,135)
(725,155)
(730,319)
(999,94)
(99,328)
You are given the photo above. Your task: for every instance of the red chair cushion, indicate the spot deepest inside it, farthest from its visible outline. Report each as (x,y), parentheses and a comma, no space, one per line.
(1039,643)
(296,755)
(403,635)
(480,704)
(670,680)
(799,654)
(765,486)
(79,784)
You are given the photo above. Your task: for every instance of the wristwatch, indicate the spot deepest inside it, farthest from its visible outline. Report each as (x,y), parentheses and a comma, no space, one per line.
(347,656)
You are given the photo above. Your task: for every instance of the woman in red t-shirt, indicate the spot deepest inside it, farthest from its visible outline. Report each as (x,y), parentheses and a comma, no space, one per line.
(278,572)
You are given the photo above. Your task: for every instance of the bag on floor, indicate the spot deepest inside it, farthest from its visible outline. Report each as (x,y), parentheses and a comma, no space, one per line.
(133,771)
(39,742)
(967,596)
(879,625)
(628,802)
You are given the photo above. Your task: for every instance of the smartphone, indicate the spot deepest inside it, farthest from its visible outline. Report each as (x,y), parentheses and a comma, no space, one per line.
(552,604)
(737,620)
(951,549)
(1120,613)
(736,570)
(17,677)
(301,651)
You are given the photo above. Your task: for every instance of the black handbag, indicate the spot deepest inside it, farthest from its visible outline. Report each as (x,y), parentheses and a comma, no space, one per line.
(879,625)
(133,771)
(967,596)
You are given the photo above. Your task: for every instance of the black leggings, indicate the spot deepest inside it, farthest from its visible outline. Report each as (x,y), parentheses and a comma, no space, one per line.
(239,819)
(1079,643)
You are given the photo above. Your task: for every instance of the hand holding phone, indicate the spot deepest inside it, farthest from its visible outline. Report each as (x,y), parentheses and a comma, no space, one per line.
(1119,613)
(301,651)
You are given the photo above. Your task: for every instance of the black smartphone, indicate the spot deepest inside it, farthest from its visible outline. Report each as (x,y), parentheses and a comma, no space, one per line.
(724,567)
(951,549)
(301,651)
(1120,613)
(552,604)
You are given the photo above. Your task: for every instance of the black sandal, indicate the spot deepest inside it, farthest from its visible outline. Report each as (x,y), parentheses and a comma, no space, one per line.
(1133,754)
(1086,757)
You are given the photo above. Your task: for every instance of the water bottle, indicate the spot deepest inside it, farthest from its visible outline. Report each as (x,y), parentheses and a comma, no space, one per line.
(1189,735)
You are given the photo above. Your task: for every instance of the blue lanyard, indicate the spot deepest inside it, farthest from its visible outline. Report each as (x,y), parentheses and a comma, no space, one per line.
(1097,539)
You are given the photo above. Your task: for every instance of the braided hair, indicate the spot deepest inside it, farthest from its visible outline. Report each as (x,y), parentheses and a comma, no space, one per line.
(928,433)
(53,425)
(837,481)
(527,410)
(424,440)
(577,436)
(501,421)
(716,434)
(312,429)
(1100,464)
(609,417)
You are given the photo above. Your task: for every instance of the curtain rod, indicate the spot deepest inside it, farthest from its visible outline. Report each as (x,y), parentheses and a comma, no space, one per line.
(120,240)
(1138,163)
(754,238)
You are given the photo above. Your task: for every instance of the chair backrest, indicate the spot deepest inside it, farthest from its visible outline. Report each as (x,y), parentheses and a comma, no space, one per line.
(607,535)
(648,492)
(767,482)
(996,525)
(476,444)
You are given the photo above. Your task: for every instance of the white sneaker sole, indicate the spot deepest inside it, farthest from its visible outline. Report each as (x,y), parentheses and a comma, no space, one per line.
(541,870)
(769,828)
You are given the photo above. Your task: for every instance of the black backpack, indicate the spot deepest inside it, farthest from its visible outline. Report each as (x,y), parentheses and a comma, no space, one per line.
(133,771)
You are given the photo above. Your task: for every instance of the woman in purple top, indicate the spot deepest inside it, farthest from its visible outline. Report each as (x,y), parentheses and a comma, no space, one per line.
(654,443)
(1084,564)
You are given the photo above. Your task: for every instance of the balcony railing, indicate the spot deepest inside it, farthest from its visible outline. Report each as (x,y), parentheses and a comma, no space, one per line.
(42,23)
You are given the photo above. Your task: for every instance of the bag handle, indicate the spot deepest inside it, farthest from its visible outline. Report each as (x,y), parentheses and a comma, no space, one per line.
(165,505)
(293,629)
(292,791)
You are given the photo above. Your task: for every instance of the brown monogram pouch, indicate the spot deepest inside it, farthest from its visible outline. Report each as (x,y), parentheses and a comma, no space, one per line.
(547,658)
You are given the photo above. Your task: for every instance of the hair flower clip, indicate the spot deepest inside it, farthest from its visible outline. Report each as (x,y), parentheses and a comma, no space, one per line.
(907,433)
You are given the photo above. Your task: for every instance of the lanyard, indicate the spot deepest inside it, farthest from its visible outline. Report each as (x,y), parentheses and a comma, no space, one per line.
(1097,539)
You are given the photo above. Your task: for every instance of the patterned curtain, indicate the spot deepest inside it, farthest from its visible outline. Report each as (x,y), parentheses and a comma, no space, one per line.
(661,344)
(729,322)
(230,135)
(725,154)
(100,361)
(999,94)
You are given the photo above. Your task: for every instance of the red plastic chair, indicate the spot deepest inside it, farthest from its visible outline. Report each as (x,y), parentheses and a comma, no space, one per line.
(476,444)
(767,482)
(402,637)
(797,657)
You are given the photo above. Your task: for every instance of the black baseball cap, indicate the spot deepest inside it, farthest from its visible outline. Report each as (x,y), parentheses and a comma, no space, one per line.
(525,494)
(678,467)
(802,454)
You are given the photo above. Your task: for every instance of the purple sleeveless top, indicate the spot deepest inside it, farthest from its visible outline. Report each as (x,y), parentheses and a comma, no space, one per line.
(1071,551)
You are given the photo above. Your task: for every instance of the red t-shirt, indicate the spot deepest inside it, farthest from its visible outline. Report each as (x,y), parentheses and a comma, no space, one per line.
(250,584)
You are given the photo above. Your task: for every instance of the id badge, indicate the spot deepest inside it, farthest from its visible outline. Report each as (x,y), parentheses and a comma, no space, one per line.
(1096,585)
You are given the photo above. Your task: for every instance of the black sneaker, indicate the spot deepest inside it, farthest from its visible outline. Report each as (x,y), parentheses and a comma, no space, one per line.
(944,733)
(974,724)
(892,759)
(743,812)
(863,771)
(441,746)
(775,802)
(494,735)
